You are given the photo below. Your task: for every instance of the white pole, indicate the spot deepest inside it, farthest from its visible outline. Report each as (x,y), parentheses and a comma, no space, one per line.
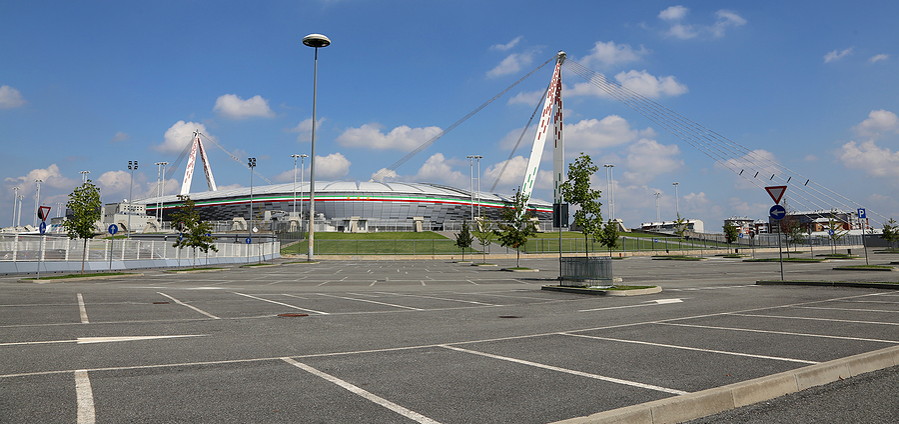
(37,200)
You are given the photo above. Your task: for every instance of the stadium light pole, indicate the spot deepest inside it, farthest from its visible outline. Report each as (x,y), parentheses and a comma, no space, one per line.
(609,167)
(315,41)
(251,163)
(295,156)
(132,166)
(37,199)
(471,184)
(15,204)
(658,212)
(84,176)
(302,173)
(160,174)
(19,214)
(676,207)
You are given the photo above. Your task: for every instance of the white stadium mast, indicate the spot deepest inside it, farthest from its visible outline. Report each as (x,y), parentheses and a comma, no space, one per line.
(553,100)
(197,145)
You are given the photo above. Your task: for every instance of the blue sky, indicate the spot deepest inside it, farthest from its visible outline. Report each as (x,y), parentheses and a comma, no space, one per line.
(91,85)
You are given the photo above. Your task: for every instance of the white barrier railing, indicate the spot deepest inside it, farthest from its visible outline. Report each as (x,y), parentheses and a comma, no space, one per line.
(20,248)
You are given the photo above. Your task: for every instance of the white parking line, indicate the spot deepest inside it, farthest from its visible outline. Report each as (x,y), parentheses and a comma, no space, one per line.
(189,306)
(82,309)
(408,413)
(281,303)
(371,301)
(847,309)
(787,333)
(568,371)
(440,298)
(85,397)
(813,319)
(724,352)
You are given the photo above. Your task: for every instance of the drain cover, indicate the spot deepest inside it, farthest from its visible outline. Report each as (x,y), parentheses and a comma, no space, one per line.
(160,303)
(292,315)
(509,316)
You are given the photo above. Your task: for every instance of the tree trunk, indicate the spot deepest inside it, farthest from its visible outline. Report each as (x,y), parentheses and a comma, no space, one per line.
(83,255)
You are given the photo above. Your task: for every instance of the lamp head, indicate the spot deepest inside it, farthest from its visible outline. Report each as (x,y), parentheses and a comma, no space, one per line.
(316,40)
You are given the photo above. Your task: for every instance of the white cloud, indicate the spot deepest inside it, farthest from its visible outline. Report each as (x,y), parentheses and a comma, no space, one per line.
(304,129)
(512,64)
(610,54)
(526,98)
(837,55)
(674,13)
(436,169)
(874,160)
(384,174)
(400,138)
(51,177)
(10,98)
(120,136)
(179,136)
(594,134)
(878,57)
(644,83)
(879,122)
(114,183)
(675,16)
(647,159)
(508,46)
(333,166)
(726,19)
(233,107)
(511,177)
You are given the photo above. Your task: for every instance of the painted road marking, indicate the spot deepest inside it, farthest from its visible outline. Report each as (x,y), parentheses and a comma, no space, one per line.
(568,371)
(648,303)
(85,396)
(813,319)
(82,309)
(371,301)
(724,352)
(281,303)
(439,298)
(781,332)
(89,340)
(189,306)
(847,309)
(408,413)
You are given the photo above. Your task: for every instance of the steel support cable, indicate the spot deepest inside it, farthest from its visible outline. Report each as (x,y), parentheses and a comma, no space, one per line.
(236,159)
(452,126)
(520,137)
(782,173)
(696,132)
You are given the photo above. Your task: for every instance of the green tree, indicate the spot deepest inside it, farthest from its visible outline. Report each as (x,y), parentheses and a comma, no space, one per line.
(194,232)
(576,191)
(484,233)
(608,237)
(464,239)
(85,204)
(731,232)
(890,232)
(516,226)
(680,226)
(835,232)
(793,230)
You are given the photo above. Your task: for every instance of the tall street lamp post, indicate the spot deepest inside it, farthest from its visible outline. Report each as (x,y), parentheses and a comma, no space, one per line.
(15,204)
(37,199)
(295,156)
(302,173)
(609,167)
(132,166)
(251,163)
(475,200)
(160,190)
(315,41)
(676,207)
(658,212)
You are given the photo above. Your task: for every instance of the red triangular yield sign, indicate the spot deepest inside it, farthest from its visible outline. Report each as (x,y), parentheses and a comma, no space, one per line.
(776,193)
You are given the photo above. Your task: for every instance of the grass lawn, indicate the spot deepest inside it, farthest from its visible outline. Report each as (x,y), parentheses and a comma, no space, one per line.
(785,260)
(381,243)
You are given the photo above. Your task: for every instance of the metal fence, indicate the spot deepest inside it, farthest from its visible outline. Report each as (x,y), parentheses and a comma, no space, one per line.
(53,249)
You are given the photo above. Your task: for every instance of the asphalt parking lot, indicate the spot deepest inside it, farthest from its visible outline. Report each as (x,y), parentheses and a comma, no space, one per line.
(414,341)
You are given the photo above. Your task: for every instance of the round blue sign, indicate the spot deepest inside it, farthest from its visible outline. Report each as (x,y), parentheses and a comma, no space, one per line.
(43,227)
(249,240)
(777,212)
(113,229)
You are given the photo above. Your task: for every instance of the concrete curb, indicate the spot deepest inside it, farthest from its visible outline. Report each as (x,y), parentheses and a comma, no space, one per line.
(194,271)
(846,268)
(719,399)
(829,284)
(520,270)
(596,292)
(96,277)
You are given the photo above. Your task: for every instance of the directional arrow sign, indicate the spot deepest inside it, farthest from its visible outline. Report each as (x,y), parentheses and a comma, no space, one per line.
(777,212)
(88,340)
(776,193)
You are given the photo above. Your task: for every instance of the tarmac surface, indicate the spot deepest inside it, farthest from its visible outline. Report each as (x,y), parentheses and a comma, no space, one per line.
(429,341)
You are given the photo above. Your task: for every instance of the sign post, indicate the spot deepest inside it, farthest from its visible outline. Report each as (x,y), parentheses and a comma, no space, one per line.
(42,212)
(863,215)
(112,229)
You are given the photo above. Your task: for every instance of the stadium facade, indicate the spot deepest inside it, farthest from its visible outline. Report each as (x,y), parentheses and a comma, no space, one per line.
(340,205)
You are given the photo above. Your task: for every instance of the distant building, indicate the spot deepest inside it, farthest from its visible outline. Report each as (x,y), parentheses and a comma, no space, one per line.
(694,225)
